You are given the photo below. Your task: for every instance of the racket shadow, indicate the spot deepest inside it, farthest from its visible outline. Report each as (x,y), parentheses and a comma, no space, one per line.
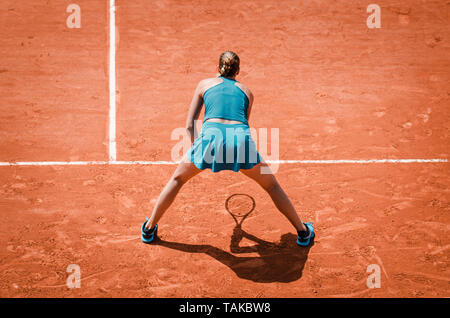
(276,262)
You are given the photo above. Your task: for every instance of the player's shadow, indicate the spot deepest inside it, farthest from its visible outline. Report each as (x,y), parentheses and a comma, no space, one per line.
(276,262)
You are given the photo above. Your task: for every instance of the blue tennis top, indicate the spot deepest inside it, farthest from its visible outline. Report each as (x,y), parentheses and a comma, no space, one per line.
(226,100)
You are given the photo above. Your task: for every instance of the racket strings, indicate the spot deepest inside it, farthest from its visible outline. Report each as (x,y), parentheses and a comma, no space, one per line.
(240,205)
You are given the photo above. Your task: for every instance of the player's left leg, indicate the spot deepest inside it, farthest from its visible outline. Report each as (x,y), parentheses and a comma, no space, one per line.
(185,171)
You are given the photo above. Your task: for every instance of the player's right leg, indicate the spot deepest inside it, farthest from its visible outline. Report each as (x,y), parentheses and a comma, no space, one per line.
(269,183)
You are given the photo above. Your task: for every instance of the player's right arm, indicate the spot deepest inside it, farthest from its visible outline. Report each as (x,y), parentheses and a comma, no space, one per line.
(250,97)
(250,104)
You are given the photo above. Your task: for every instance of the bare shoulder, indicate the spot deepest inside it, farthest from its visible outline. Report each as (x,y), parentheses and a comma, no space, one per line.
(206,83)
(246,90)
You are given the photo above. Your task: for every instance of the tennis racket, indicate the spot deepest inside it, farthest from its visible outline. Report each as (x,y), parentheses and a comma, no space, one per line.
(240,205)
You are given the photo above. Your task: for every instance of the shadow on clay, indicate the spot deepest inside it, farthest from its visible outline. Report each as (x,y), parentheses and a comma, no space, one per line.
(277,262)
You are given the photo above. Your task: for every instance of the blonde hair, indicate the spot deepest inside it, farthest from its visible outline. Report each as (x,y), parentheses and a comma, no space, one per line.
(228,64)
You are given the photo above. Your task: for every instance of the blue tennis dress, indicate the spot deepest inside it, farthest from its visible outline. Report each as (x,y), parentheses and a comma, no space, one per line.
(225,146)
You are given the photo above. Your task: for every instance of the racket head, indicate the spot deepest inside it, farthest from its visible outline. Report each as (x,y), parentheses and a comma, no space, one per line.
(240,205)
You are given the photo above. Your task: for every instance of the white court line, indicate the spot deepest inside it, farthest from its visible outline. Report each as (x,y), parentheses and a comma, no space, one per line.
(112,81)
(343,161)
(360,161)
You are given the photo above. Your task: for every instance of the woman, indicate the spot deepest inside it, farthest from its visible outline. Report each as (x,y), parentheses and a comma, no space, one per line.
(224,143)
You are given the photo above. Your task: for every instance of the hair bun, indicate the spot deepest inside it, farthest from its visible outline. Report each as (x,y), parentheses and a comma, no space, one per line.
(228,64)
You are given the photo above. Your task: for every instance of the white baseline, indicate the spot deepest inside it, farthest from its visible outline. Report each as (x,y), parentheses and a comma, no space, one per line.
(141,162)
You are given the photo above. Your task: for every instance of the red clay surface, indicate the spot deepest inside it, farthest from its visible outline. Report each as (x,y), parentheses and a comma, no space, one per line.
(54,88)
(334,88)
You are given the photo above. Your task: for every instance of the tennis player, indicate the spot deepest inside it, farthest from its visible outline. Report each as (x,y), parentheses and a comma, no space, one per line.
(225,143)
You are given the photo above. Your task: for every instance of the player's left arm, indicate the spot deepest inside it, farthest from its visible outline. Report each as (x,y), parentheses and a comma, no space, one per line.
(194,111)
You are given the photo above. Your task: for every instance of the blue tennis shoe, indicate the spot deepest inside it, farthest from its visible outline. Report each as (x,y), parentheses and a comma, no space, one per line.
(305,237)
(148,236)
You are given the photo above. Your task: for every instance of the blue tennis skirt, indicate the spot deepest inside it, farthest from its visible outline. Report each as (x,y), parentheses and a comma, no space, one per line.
(224,147)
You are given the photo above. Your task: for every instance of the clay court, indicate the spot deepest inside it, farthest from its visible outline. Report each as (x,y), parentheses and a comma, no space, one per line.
(364,134)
